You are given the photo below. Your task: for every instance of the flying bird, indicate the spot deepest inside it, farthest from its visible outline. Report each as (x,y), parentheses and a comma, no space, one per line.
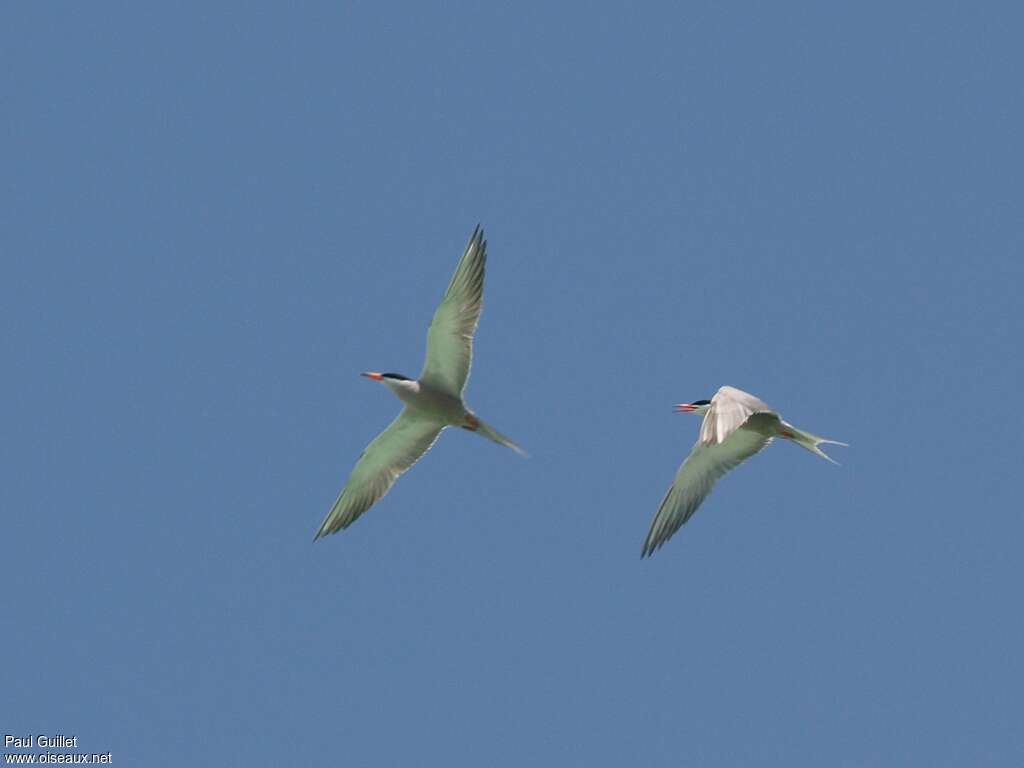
(736,426)
(432,402)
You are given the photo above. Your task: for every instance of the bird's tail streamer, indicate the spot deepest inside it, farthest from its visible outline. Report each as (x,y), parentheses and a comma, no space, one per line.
(811,441)
(491,433)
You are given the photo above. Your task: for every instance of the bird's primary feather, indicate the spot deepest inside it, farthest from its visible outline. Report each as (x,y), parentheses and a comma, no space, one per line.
(390,454)
(700,471)
(450,338)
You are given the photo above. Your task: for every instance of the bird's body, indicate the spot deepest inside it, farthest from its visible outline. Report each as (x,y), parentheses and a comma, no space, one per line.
(736,426)
(432,402)
(428,400)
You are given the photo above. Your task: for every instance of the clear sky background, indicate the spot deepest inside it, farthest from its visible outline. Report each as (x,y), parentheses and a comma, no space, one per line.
(212,220)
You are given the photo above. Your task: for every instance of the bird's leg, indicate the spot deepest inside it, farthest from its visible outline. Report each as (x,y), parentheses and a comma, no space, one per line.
(472,423)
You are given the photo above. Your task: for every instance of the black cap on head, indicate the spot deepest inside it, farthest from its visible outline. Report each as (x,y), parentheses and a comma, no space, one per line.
(695,402)
(396,376)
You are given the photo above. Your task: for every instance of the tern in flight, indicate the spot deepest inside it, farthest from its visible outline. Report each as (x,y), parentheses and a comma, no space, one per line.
(432,402)
(736,426)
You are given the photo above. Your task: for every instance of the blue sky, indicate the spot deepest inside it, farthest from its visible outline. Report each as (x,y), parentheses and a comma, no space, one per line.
(213,219)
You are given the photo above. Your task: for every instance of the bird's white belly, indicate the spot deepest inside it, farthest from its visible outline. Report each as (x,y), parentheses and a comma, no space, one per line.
(439,405)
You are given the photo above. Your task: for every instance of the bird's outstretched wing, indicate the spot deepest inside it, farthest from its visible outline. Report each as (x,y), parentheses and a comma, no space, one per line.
(390,454)
(730,409)
(450,338)
(697,475)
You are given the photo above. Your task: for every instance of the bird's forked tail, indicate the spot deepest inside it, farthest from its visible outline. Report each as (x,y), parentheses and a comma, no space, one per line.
(481,427)
(810,441)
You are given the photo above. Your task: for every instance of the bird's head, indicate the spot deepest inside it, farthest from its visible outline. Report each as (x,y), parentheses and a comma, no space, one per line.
(394,381)
(382,376)
(700,407)
(385,377)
